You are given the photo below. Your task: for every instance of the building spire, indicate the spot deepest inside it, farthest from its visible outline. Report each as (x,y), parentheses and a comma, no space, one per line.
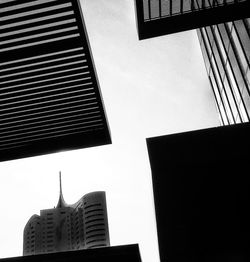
(61,202)
(60,181)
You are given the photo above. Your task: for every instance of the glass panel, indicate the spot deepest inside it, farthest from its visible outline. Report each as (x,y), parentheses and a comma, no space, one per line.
(248,77)
(243,112)
(221,47)
(220,117)
(219,110)
(176,6)
(247,21)
(231,98)
(217,73)
(210,35)
(218,98)
(217,55)
(225,38)
(201,4)
(239,52)
(238,119)
(246,99)
(228,111)
(229,25)
(233,84)
(145,9)
(244,37)
(213,3)
(216,90)
(236,69)
(165,7)
(208,47)
(239,79)
(220,2)
(220,88)
(206,60)
(196,4)
(210,42)
(154,5)
(186,5)
(203,45)
(199,35)
(206,4)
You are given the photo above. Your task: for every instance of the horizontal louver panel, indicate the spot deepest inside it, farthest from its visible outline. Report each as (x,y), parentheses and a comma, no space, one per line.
(48,88)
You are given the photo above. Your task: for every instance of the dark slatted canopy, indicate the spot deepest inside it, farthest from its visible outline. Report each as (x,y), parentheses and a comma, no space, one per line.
(161,17)
(49,92)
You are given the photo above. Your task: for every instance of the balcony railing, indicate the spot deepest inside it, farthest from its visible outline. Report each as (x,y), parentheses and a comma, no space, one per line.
(182,15)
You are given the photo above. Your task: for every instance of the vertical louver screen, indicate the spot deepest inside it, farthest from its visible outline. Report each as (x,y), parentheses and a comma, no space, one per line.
(49,93)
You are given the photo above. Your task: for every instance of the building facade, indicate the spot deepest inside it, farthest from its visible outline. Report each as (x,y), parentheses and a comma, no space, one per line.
(226,51)
(66,227)
(50,94)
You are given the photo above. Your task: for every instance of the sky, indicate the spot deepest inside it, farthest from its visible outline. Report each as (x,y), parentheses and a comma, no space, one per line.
(151,87)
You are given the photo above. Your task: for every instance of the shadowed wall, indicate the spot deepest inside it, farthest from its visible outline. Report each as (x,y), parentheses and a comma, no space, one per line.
(201,194)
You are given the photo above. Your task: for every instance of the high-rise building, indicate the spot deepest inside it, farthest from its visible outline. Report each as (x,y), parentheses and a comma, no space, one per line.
(226,52)
(50,95)
(66,227)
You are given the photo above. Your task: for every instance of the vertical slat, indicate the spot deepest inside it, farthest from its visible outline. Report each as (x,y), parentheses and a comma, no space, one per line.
(221,59)
(240,69)
(219,73)
(203,4)
(149,10)
(192,5)
(181,6)
(160,12)
(212,68)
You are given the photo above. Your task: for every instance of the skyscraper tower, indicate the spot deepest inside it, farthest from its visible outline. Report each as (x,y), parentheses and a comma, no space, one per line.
(68,227)
(226,52)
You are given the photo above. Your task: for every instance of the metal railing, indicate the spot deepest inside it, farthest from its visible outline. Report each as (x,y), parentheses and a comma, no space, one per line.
(156,9)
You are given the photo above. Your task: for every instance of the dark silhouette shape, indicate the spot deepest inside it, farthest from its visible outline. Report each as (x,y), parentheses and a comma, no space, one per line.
(201,193)
(124,253)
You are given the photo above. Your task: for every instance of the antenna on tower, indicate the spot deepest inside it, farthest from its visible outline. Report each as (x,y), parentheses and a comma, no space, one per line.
(61,202)
(60,182)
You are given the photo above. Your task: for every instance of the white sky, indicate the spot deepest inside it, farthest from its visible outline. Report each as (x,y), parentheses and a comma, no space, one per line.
(152,87)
